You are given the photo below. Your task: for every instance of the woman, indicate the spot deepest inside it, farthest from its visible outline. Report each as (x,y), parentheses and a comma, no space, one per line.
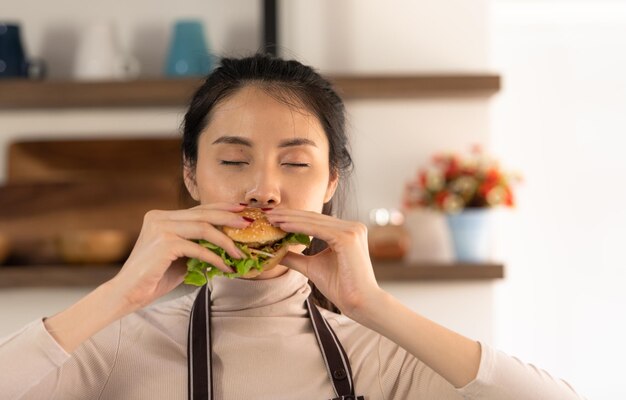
(267,133)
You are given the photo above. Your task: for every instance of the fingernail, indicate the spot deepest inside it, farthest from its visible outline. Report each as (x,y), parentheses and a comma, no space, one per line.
(267,209)
(248,219)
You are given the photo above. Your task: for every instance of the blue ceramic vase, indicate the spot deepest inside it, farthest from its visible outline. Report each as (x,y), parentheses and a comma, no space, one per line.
(470,231)
(12,59)
(188,53)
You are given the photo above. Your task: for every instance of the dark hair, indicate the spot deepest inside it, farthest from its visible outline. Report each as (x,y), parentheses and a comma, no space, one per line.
(294,84)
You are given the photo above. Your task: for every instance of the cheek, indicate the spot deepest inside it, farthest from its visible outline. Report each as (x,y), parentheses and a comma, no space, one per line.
(306,193)
(212,186)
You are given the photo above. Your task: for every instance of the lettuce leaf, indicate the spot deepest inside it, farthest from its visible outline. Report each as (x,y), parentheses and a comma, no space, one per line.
(198,271)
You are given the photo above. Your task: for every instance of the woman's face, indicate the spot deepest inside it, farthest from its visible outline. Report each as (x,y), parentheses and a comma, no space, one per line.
(259,151)
(262,152)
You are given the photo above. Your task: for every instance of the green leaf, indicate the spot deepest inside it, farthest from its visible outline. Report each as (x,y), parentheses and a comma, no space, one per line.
(298,238)
(195,278)
(199,271)
(193,264)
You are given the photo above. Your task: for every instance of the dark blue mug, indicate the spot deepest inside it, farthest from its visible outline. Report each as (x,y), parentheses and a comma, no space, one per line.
(13,62)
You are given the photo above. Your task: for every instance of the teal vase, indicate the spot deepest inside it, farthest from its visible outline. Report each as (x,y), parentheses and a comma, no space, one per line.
(188,53)
(470,231)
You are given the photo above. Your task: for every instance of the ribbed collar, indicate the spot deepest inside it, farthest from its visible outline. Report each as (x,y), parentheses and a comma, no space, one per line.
(281,296)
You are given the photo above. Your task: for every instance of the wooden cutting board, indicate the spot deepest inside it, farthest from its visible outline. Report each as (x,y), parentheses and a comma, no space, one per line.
(88,159)
(56,186)
(34,214)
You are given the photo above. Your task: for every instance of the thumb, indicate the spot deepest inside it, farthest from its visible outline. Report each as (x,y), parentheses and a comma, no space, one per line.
(298,262)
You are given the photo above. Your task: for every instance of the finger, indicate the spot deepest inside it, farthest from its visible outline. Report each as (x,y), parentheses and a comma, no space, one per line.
(194,250)
(215,217)
(333,232)
(310,218)
(203,230)
(288,215)
(298,262)
(294,212)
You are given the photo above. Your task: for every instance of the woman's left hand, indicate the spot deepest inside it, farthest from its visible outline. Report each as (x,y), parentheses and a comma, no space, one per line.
(342,272)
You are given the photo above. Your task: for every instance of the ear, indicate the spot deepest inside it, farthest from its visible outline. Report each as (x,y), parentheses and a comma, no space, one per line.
(332,186)
(189,176)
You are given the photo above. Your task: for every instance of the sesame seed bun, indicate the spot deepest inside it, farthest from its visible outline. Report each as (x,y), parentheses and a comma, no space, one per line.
(258,233)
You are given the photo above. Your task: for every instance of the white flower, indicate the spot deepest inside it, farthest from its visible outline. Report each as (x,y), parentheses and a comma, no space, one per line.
(434,180)
(465,186)
(453,203)
(496,196)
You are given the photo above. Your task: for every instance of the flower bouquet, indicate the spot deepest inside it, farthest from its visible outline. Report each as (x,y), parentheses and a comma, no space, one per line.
(464,188)
(452,183)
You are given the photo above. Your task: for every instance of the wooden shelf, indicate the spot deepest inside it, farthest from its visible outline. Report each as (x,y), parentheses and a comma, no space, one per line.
(72,276)
(400,272)
(430,85)
(55,275)
(25,94)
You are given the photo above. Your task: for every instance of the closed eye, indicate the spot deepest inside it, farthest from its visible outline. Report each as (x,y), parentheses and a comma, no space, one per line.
(227,162)
(301,165)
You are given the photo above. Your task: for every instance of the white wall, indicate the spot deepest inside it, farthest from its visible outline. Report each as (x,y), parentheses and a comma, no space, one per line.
(51,30)
(390,139)
(561,119)
(402,36)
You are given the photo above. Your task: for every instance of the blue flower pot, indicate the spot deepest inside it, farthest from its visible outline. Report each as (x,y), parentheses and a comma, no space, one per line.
(470,231)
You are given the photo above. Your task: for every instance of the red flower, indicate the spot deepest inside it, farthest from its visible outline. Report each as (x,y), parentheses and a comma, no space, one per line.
(453,168)
(509,201)
(423,178)
(485,188)
(478,168)
(469,171)
(440,198)
(493,175)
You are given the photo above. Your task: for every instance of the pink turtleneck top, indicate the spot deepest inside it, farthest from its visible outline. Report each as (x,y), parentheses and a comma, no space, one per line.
(264,349)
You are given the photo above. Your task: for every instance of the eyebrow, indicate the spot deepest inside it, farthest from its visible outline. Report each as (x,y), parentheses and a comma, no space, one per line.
(297,142)
(246,142)
(233,140)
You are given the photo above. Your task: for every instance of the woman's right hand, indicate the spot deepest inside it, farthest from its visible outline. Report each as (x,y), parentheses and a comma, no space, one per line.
(157,263)
(155,267)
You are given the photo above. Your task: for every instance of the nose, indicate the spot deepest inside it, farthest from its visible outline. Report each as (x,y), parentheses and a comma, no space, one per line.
(264,191)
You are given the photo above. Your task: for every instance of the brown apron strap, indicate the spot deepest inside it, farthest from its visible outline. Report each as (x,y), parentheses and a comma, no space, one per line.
(199,353)
(335,357)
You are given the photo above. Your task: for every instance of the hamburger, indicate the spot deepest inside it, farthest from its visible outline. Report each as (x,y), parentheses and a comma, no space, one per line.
(263,245)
